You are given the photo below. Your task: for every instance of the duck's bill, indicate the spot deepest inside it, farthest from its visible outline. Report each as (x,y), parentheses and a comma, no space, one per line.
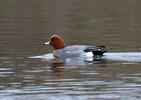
(47,43)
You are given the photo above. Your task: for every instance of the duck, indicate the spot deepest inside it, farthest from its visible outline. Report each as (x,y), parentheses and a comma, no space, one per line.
(61,50)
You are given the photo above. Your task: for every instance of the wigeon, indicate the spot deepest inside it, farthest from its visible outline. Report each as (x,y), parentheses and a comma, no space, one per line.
(60,50)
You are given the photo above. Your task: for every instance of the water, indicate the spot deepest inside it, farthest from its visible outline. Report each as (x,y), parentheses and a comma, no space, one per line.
(26,25)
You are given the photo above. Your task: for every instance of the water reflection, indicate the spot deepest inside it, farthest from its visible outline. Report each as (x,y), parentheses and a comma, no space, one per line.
(58,65)
(58,68)
(96,60)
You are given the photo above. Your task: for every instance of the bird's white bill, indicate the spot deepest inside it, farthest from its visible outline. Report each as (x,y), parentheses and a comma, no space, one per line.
(47,43)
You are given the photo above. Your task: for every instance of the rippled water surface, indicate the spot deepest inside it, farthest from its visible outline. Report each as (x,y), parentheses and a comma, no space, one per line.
(28,70)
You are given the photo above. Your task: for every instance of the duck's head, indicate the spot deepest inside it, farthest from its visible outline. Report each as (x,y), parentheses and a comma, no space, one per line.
(56,41)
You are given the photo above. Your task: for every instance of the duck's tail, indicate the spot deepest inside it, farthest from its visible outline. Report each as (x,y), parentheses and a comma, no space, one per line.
(96,50)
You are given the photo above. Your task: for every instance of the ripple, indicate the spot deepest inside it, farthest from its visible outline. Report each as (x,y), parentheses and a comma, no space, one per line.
(5,69)
(1,73)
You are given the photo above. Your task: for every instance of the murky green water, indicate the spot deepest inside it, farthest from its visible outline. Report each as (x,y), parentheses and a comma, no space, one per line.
(26,24)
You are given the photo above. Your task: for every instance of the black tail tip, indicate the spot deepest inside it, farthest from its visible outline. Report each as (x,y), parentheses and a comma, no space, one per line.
(96,50)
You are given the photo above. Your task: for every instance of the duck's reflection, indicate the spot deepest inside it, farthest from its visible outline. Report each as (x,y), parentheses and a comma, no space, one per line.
(78,61)
(58,68)
(59,64)
(96,61)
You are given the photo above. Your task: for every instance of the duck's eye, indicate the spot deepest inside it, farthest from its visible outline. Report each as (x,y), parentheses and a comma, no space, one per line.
(52,39)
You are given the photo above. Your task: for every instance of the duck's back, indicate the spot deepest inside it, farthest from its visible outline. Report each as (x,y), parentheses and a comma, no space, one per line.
(79,50)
